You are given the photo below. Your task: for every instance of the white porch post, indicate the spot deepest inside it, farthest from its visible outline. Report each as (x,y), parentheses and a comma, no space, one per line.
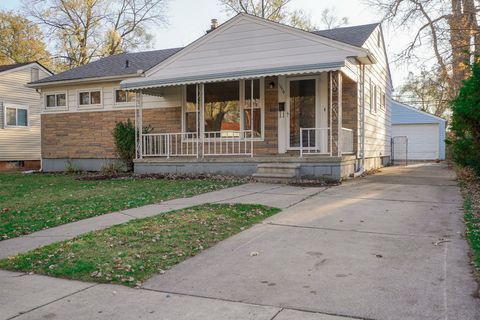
(339,114)
(140,123)
(137,155)
(251,118)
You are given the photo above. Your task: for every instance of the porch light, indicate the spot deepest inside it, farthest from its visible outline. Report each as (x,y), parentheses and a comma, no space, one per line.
(271,85)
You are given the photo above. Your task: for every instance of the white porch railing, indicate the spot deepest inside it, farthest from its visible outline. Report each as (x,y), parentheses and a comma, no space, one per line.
(170,144)
(347,141)
(228,143)
(186,144)
(315,141)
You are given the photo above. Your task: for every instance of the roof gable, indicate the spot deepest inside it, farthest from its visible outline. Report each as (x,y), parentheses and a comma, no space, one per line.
(405,114)
(353,35)
(247,42)
(18,66)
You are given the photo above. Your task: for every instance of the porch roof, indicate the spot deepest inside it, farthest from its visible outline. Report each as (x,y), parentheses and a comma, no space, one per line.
(146,83)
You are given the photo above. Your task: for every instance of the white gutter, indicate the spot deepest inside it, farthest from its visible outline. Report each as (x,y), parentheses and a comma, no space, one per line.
(362,120)
(89,80)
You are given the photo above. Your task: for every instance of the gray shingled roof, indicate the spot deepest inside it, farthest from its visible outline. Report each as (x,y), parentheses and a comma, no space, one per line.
(355,35)
(12,66)
(114,65)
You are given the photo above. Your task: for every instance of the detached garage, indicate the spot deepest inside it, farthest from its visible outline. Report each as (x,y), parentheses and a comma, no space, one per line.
(425,132)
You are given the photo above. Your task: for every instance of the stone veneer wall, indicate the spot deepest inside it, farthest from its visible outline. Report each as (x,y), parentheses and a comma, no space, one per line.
(350,109)
(88,135)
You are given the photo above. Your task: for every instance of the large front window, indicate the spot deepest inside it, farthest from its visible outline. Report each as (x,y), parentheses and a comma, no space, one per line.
(228,109)
(222,108)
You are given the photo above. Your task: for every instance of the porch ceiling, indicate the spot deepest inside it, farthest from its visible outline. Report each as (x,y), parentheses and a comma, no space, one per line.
(148,85)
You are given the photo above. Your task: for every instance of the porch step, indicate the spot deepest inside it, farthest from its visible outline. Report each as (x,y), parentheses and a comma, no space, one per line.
(277,172)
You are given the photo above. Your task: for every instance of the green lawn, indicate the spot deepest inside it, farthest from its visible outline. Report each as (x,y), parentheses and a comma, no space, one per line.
(34,202)
(132,252)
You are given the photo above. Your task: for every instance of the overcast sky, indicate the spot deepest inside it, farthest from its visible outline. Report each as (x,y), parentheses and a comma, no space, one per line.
(188,20)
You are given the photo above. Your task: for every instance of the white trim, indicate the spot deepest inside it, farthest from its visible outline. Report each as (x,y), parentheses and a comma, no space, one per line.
(121,104)
(317,79)
(90,106)
(16,107)
(56,108)
(89,80)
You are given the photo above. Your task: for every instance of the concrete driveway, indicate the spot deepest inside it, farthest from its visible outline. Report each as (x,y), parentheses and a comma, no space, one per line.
(389,246)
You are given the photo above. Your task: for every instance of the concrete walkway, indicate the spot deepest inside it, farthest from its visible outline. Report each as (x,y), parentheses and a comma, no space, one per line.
(389,246)
(257,193)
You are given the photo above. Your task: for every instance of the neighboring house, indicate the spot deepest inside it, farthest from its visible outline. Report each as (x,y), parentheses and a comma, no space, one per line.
(250,97)
(424,132)
(20,109)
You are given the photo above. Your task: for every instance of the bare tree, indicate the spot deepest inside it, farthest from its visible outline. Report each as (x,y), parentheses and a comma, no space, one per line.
(426,91)
(331,20)
(275,10)
(448,28)
(82,30)
(128,21)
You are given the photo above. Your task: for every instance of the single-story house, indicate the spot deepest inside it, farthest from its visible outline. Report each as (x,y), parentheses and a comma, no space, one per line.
(251,96)
(20,108)
(424,133)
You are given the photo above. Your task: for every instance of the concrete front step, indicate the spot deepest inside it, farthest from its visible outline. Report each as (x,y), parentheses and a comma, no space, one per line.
(274,177)
(277,172)
(270,168)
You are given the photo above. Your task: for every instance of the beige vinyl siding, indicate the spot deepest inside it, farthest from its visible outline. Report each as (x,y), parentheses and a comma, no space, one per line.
(20,143)
(169,97)
(377,124)
(251,44)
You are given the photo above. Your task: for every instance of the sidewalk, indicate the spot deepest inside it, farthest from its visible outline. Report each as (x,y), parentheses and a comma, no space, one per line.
(32,297)
(279,196)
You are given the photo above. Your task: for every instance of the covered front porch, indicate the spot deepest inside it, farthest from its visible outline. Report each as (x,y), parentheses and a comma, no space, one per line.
(307,115)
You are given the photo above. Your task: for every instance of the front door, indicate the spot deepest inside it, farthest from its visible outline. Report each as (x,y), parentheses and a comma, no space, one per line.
(301,111)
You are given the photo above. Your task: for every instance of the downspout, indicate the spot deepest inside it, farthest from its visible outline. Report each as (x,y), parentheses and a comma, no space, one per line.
(361,168)
(39,91)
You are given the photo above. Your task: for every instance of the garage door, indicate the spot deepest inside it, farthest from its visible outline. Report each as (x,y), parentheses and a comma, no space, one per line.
(423,140)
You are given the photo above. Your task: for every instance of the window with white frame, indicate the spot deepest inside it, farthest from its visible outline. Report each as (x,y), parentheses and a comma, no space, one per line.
(56,100)
(191,114)
(252,108)
(15,115)
(123,97)
(34,74)
(382,100)
(372,96)
(229,107)
(90,98)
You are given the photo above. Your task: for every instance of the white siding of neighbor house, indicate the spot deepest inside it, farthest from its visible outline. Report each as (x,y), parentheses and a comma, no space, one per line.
(248,43)
(378,125)
(170,97)
(20,143)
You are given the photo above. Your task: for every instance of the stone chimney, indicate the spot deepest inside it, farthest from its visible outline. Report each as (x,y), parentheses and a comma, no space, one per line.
(213,25)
